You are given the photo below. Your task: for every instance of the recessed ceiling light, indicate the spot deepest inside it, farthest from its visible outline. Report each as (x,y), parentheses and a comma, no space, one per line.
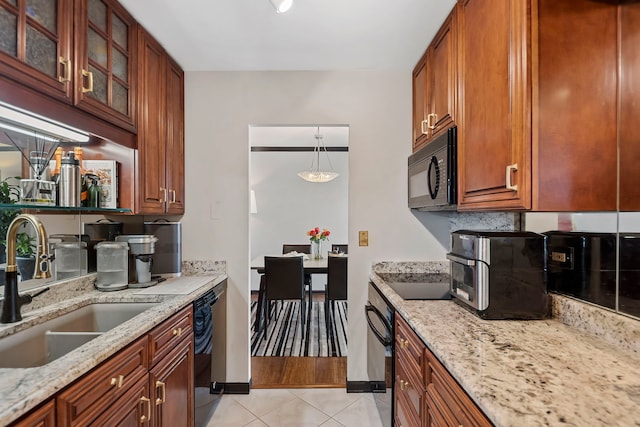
(282,5)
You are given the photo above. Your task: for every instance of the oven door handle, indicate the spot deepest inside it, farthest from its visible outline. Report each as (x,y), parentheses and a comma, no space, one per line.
(385,340)
(461,260)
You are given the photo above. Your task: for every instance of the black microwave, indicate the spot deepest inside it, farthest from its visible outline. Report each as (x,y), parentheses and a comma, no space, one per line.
(432,174)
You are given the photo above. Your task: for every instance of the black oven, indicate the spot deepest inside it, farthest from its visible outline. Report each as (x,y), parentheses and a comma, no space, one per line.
(432,174)
(380,343)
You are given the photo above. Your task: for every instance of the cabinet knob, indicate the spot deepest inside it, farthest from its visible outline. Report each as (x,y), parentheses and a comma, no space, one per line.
(403,384)
(177,332)
(89,76)
(161,390)
(403,342)
(117,381)
(145,418)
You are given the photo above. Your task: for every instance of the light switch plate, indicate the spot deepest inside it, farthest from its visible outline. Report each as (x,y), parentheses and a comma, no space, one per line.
(363,238)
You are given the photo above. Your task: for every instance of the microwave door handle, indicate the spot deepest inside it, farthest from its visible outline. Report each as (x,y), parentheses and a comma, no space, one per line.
(461,260)
(384,340)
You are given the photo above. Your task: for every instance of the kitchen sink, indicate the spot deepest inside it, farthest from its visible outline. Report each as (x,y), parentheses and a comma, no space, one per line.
(47,341)
(418,286)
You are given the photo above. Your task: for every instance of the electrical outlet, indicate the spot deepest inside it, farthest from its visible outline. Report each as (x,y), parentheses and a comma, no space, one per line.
(363,238)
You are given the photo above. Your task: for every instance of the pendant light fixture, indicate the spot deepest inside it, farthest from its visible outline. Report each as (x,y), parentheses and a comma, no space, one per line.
(282,5)
(314,174)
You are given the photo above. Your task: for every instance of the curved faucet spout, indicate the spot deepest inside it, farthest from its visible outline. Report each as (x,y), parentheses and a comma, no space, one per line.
(42,252)
(13,301)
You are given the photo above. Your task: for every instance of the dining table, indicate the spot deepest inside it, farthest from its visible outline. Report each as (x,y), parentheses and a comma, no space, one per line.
(310,265)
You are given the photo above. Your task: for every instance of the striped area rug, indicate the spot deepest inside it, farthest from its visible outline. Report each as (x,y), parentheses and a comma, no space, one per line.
(284,337)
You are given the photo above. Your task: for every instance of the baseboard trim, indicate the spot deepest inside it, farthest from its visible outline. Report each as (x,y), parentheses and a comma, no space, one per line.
(230,388)
(365,386)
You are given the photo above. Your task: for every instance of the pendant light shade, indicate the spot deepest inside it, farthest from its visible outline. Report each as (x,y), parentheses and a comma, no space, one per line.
(282,5)
(314,174)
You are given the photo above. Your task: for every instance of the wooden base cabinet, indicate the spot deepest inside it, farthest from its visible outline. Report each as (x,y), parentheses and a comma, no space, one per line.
(150,383)
(425,393)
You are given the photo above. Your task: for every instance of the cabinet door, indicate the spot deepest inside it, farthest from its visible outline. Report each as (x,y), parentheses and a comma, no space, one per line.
(134,409)
(44,416)
(420,131)
(175,139)
(494,140)
(105,69)
(35,44)
(153,192)
(86,399)
(172,388)
(443,77)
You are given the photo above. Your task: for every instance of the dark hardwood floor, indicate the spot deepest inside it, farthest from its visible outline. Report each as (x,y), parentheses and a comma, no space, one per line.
(299,372)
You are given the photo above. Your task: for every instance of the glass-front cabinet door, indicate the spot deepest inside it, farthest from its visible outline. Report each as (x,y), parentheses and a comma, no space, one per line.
(105,65)
(35,44)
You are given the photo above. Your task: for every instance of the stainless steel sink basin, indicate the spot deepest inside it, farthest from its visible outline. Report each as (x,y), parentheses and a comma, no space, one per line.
(418,286)
(54,338)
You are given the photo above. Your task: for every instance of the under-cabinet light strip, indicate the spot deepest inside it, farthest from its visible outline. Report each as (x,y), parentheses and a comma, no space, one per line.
(36,122)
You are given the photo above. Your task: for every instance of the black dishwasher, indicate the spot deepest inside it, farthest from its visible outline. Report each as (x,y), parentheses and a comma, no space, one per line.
(203,325)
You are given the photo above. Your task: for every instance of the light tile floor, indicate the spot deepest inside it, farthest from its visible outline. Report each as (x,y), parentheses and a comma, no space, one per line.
(326,407)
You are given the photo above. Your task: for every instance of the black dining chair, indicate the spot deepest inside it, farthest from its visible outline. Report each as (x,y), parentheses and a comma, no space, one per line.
(336,287)
(302,249)
(284,280)
(340,248)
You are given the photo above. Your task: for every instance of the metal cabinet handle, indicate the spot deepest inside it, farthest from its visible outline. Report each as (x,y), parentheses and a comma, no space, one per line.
(146,401)
(89,76)
(164,194)
(432,126)
(173,195)
(117,381)
(461,260)
(510,169)
(66,75)
(403,384)
(177,332)
(424,126)
(403,343)
(163,392)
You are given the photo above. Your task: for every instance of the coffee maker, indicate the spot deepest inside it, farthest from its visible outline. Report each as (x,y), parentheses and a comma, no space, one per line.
(141,249)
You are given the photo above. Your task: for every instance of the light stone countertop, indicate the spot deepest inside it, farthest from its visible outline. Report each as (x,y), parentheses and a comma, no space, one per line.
(535,372)
(23,389)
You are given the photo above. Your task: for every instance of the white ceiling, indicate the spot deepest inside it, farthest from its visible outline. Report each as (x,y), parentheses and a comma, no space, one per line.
(207,35)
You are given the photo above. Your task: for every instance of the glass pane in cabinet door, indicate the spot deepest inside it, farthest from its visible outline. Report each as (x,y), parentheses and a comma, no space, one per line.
(120,97)
(97,48)
(44,12)
(97,11)
(119,32)
(119,65)
(8,32)
(99,85)
(41,52)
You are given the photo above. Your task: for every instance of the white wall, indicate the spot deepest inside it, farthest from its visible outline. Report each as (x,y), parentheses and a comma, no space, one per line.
(376,106)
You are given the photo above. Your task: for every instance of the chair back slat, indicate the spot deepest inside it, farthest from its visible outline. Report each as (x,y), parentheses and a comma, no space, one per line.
(337,277)
(300,248)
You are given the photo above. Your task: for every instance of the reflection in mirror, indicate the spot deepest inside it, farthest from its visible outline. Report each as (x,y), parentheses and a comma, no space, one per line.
(582,257)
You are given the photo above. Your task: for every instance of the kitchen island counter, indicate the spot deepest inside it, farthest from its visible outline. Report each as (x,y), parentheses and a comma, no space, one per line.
(22,389)
(534,372)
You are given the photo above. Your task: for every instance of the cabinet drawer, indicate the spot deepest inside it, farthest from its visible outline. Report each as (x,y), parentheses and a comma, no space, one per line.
(84,400)
(409,387)
(405,413)
(456,403)
(165,337)
(409,347)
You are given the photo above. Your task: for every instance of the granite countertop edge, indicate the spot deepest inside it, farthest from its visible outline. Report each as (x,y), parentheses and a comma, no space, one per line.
(534,373)
(23,389)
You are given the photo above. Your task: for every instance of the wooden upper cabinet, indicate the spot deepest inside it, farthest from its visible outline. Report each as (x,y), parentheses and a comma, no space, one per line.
(35,44)
(105,65)
(160,174)
(494,139)
(538,125)
(435,85)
